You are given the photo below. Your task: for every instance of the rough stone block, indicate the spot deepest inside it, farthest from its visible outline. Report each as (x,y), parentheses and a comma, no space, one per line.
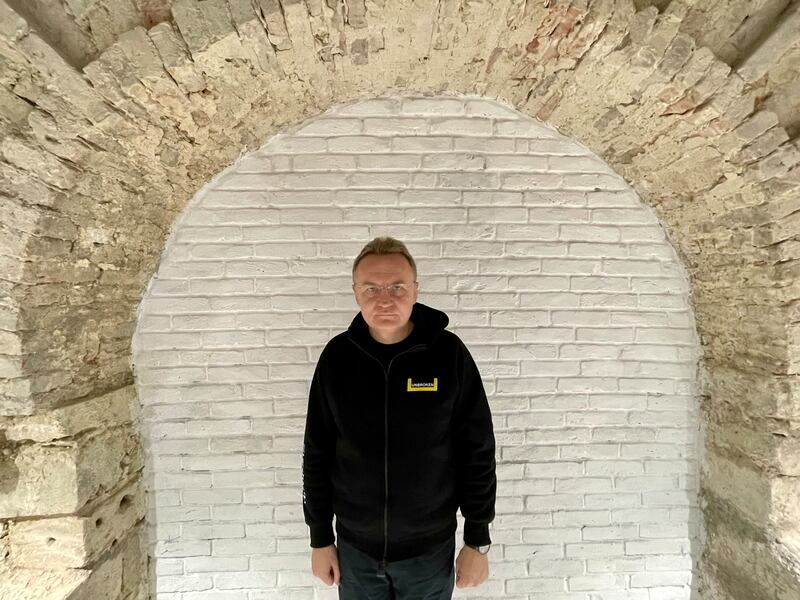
(105,581)
(785,513)
(109,410)
(134,565)
(63,476)
(37,584)
(39,480)
(742,487)
(76,541)
(176,61)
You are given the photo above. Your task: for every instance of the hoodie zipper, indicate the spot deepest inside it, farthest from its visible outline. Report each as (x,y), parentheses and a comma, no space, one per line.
(382,565)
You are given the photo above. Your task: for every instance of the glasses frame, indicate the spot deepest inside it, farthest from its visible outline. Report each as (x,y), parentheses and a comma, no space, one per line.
(361,288)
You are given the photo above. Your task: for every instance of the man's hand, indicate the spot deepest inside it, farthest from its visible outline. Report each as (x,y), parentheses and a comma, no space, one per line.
(325,564)
(472,568)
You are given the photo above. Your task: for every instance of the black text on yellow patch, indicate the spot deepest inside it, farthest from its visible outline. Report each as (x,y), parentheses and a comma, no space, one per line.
(423,386)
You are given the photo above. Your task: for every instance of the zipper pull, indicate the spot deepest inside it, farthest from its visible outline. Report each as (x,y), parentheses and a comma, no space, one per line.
(382,568)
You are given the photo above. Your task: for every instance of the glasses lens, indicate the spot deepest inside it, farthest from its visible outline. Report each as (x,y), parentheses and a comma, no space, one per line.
(397,290)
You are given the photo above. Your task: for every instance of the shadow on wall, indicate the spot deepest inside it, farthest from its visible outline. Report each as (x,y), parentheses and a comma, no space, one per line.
(9,473)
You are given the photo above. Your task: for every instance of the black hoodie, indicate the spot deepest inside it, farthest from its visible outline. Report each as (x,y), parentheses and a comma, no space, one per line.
(395,452)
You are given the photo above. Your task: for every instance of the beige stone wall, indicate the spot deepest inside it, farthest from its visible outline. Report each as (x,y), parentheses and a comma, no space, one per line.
(96,164)
(79,30)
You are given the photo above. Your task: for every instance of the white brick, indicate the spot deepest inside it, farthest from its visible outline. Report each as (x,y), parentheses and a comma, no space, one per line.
(430,197)
(182,548)
(175,481)
(163,412)
(468,180)
(238,373)
(433,106)
(259,162)
(330,126)
(359,144)
(471,126)
(269,460)
(461,161)
(490,108)
(297,145)
(484,145)
(551,256)
(524,128)
(214,595)
(244,479)
(205,427)
(209,234)
(530,180)
(244,511)
(159,341)
(550,588)
(595,549)
(375,106)
(655,547)
(592,181)
(422,144)
(245,408)
(400,162)
(243,547)
(573,164)
(215,564)
(169,566)
(184,583)
(241,581)
(582,485)
(204,357)
(212,463)
(211,497)
(212,531)
(174,447)
(323,162)
(398,126)
(221,286)
(517,162)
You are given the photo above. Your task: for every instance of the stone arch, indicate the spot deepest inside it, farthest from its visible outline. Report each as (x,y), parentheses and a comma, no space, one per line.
(556,274)
(97,163)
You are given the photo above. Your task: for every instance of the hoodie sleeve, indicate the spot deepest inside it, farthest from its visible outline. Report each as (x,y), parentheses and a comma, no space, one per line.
(475,453)
(319,446)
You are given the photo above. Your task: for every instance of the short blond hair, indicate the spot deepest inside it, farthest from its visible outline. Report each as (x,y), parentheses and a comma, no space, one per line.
(383,246)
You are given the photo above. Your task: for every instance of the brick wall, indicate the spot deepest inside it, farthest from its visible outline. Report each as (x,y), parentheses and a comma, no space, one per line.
(557,277)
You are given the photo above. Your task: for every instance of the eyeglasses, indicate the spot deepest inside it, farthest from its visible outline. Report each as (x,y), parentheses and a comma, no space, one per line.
(397,290)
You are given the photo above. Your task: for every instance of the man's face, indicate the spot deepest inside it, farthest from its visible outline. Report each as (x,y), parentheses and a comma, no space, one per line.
(385,312)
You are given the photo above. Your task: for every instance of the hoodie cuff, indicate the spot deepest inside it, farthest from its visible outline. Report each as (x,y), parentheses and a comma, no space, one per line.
(476,534)
(321,535)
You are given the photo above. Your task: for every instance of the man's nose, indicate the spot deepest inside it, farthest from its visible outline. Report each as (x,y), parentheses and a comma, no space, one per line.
(384,300)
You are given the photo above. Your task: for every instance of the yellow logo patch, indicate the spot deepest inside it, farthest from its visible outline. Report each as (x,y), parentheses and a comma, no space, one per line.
(425,386)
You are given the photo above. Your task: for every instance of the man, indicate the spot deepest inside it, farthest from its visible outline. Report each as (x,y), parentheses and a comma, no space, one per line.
(398,436)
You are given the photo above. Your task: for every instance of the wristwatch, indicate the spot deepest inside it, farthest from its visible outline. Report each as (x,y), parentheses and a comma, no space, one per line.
(481,549)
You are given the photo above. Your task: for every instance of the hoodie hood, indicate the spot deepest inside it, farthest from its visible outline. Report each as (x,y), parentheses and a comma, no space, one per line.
(429,323)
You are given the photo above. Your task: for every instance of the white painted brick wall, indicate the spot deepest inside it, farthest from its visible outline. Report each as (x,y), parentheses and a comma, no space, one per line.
(558,278)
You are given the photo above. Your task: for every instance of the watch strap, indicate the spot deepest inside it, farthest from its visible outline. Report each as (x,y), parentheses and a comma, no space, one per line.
(480,549)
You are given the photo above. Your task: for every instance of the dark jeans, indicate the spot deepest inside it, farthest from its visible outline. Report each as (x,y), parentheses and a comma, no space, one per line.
(430,576)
